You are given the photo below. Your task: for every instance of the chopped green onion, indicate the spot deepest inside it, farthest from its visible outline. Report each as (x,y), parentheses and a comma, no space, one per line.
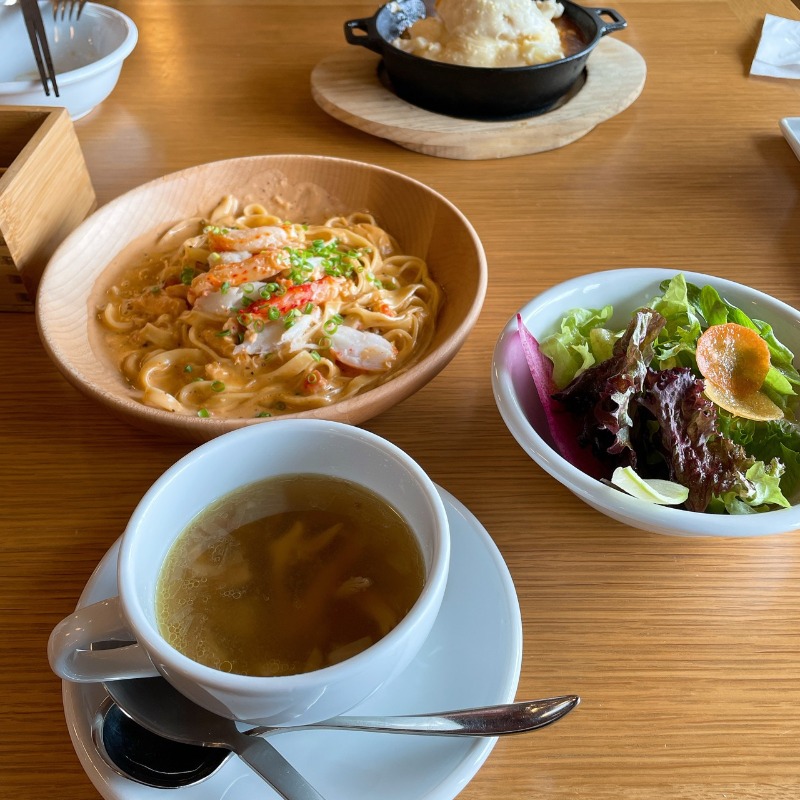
(203,412)
(315,355)
(248,288)
(263,414)
(224,288)
(274,313)
(188,368)
(218,386)
(187,275)
(265,293)
(324,342)
(223,333)
(309,308)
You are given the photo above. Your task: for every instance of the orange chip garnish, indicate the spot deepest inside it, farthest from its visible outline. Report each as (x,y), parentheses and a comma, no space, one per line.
(755,405)
(734,358)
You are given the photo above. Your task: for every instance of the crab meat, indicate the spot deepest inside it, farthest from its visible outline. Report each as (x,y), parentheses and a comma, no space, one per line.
(362,349)
(252,239)
(228,257)
(259,267)
(298,296)
(220,304)
(275,335)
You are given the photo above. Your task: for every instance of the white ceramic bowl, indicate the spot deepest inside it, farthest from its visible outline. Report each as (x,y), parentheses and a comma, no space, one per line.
(243,457)
(625,289)
(87,55)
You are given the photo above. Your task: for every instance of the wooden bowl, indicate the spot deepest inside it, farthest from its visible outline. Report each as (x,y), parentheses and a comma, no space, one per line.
(311,188)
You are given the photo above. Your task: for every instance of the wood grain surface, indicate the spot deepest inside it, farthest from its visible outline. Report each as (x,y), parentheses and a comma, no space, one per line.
(685,651)
(45,192)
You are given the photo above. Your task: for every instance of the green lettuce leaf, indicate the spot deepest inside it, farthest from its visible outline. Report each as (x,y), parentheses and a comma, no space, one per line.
(765,441)
(570,348)
(757,490)
(677,342)
(783,377)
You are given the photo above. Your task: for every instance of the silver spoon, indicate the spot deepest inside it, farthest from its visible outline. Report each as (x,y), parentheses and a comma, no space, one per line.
(159,699)
(147,758)
(162,710)
(499,720)
(156,706)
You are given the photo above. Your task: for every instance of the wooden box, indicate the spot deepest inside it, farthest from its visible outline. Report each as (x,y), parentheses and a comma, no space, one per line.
(45,192)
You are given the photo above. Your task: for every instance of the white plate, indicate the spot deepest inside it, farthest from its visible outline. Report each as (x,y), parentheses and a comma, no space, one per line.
(791,130)
(472,658)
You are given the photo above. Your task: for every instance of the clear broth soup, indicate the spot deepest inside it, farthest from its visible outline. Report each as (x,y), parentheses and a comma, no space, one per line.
(288,575)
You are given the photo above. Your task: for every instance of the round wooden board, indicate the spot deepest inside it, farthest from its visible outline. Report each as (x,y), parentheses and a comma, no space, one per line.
(346,86)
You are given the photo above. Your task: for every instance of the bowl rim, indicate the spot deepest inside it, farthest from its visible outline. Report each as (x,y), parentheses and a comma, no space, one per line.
(95,67)
(401,384)
(648,516)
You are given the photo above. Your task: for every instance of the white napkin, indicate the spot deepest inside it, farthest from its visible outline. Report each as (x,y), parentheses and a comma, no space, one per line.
(778,53)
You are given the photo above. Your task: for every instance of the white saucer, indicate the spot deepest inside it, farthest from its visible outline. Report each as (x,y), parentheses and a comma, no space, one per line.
(472,658)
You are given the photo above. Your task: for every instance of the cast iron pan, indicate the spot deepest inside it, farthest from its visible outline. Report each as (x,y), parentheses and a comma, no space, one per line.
(483,93)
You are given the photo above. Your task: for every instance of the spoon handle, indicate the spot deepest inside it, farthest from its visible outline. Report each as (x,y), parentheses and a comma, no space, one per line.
(487,721)
(264,759)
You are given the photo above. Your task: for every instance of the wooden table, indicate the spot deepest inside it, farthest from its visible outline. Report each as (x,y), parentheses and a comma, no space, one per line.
(685,651)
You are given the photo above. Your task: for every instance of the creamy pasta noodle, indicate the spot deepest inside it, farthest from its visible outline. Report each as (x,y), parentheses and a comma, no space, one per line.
(253,316)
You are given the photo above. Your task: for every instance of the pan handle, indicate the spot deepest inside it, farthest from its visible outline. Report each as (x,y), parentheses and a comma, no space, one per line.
(617,24)
(368,37)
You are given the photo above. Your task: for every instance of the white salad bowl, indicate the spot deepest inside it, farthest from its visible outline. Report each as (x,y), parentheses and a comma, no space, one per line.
(624,289)
(87,55)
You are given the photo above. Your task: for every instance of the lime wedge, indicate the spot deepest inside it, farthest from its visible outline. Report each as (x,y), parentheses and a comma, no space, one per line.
(663,493)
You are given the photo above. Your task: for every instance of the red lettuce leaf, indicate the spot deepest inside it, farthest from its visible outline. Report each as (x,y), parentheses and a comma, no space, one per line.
(603,395)
(696,454)
(564,427)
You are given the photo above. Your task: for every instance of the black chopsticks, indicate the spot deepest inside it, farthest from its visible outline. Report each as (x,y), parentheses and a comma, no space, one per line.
(41,50)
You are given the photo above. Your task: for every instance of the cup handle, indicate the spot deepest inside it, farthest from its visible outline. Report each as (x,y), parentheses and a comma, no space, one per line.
(72,658)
